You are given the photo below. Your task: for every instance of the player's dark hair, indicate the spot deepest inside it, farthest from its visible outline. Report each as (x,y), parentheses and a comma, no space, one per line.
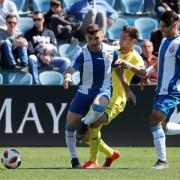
(132,31)
(92,28)
(169,17)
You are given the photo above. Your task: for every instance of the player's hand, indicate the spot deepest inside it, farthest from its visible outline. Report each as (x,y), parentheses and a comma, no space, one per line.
(130,95)
(122,63)
(67,82)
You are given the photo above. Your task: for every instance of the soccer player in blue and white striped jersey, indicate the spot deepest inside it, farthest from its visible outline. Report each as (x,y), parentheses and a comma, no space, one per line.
(168,86)
(94,61)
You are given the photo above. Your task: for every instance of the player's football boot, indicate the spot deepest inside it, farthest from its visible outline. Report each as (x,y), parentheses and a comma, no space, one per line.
(90,165)
(109,160)
(75,163)
(160,165)
(81,130)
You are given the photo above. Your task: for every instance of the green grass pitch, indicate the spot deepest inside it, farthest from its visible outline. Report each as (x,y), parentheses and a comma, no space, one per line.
(54,164)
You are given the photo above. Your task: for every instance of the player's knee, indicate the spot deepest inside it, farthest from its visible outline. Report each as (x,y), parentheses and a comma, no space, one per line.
(98,110)
(154,122)
(69,127)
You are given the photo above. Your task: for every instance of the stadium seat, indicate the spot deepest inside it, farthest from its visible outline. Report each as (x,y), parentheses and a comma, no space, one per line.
(115,29)
(50,78)
(68,2)
(1,79)
(25,23)
(145,26)
(22,6)
(111,2)
(138,48)
(18,78)
(68,50)
(132,6)
(41,5)
(149,6)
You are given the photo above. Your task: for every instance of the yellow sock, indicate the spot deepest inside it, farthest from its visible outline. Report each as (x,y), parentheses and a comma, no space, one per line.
(103,147)
(95,139)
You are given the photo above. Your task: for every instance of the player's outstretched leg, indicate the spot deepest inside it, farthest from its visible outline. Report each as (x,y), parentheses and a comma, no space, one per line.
(111,154)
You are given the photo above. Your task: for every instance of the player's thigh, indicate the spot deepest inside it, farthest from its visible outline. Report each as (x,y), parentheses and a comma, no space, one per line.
(81,103)
(73,119)
(162,107)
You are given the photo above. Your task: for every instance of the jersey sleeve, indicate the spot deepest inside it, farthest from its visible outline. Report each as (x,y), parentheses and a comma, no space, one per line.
(77,60)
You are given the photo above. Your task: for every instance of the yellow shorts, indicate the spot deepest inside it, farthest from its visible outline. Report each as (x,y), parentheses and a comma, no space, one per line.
(113,109)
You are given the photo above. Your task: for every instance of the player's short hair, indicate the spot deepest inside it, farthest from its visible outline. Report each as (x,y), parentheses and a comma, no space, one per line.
(9,16)
(168,17)
(132,31)
(92,28)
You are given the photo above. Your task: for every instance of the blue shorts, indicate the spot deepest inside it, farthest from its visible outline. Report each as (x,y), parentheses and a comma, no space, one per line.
(166,104)
(81,102)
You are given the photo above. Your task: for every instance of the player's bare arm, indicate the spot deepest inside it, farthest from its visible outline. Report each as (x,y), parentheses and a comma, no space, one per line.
(68,77)
(139,71)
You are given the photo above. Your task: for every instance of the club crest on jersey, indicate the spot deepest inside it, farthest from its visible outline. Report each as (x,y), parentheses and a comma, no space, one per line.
(171,49)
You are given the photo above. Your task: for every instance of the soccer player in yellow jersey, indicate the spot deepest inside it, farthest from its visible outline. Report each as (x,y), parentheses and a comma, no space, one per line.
(117,104)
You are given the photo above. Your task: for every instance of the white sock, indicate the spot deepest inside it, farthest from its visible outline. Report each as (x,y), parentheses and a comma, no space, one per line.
(92,117)
(71,143)
(172,128)
(159,142)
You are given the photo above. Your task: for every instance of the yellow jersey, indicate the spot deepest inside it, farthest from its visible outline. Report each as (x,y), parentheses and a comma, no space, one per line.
(118,99)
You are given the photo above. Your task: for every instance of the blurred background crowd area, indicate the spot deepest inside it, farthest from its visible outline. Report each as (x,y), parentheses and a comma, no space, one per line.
(68,19)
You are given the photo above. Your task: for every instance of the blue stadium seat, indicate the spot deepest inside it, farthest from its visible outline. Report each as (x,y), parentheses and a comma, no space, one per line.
(149,6)
(18,78)
(68,2)
(25,23)
(41,5)
(115,29)
(138,48)
(22,6)
(132,6)
(1,79)
(145,26)
(50,78)
(111,2)
(68,50)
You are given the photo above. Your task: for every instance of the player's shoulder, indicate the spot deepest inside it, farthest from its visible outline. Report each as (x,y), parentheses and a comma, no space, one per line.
(136,58)
(136,55)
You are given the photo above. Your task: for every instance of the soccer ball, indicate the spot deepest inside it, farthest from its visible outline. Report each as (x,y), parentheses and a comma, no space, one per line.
(11,158)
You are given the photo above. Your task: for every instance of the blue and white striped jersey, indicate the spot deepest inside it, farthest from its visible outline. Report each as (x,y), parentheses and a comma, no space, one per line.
(95,68)
(169,67)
